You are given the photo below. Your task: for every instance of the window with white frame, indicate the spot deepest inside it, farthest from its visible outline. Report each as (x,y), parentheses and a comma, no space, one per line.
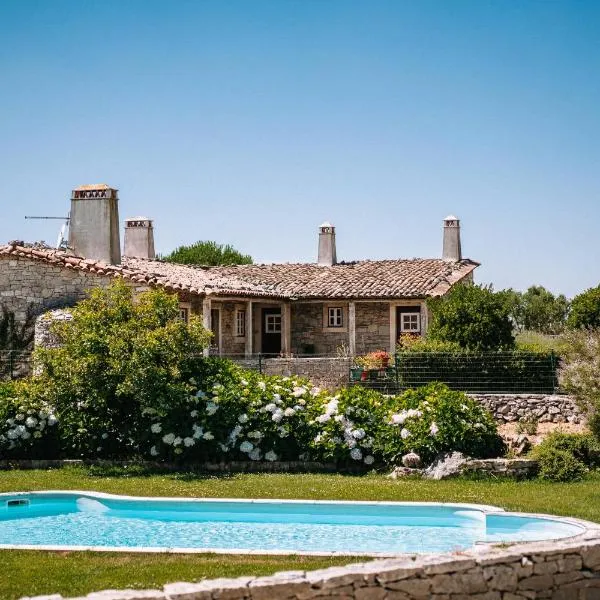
(335,316)
(410,322)
(240,323)
(273,323)
(184,313)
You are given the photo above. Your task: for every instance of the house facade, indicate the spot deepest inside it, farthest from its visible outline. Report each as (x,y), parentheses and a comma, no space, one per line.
(319,308)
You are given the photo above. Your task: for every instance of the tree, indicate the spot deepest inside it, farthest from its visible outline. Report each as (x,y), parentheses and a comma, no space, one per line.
(585,310)
(474,317)
(208,253)
(513,301)
(580,372)
(542,311)
(118,361)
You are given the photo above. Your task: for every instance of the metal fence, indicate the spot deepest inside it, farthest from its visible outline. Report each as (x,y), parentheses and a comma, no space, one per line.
(485,372)
(14,364)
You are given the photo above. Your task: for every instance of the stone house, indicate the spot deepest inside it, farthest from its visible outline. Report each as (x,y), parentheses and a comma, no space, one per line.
(274,309)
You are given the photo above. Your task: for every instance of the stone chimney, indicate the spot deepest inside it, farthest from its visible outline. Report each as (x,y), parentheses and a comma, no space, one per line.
(139,238)
(452,249)
(94,223)
(327,256)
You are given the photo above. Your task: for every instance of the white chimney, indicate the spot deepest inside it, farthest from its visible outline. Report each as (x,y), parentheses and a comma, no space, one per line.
(452,249)
(94,223)
(139,238)
(327,256)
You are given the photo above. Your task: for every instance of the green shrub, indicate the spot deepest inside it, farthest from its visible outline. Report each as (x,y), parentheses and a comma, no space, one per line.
(583,447)
(117,359)
(348,425)
(559,465)
(527,426)
(580,372)
(474,317)
(435,419)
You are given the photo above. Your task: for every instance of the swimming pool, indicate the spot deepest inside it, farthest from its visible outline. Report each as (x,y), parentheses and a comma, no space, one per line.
(85,520)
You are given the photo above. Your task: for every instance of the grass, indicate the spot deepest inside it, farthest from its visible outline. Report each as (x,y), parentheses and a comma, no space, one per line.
(543,341)
(77,573)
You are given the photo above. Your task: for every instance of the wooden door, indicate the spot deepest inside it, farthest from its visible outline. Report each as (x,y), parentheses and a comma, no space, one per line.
(271,331)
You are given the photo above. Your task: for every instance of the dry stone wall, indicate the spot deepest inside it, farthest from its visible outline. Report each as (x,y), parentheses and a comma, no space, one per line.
(561,570)
(543,407)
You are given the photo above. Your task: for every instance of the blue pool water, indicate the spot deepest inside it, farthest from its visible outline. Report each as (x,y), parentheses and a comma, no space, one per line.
(71,519)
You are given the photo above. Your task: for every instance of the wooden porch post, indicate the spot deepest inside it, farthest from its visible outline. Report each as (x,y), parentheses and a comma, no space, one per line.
(352,328)
(249,329)
(393,328)
(286,341)
(206,321)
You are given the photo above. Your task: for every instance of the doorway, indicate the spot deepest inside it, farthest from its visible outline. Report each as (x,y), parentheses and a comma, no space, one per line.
(271,331)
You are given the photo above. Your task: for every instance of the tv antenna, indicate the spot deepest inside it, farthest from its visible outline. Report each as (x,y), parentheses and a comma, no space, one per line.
(61,241)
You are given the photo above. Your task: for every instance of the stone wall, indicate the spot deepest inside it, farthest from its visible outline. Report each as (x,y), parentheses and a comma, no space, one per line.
(560,569)
(308,331)
(331,373)
(25,283)
(372,326)
(543,407)
(230,343)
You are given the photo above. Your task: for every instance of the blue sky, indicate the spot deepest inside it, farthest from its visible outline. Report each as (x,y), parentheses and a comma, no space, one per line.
(250,122)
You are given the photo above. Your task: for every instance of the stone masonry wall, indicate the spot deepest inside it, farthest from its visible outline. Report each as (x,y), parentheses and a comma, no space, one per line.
(372,327)
(25,283)
(543,407)
(330,373)
(230,343)
(566,569)
(308,330)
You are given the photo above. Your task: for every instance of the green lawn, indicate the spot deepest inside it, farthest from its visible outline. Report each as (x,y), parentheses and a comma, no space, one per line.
(76,573)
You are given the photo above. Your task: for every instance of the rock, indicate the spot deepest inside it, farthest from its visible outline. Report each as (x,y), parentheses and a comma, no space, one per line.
(446,465)
(412,460)
(404,472)
(521,445)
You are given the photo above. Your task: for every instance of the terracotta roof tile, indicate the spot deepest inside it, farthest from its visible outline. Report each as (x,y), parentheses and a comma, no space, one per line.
(414,278)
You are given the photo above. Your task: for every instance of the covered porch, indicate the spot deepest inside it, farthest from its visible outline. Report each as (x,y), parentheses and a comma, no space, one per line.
(246,327)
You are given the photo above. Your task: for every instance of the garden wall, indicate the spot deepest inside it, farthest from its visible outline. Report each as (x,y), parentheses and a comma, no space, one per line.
(562,570)
(330,373)
(543,407)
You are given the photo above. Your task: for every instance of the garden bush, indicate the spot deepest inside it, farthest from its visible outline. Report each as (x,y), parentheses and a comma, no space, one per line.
(581,448)
(28,425)
(116,359)
(129,381)
(234,414)
(435,419)
(559,465)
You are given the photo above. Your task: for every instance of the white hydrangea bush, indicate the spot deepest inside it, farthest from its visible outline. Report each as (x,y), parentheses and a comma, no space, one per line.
(28,427)
(346,426)
(435,419)
(236,415)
